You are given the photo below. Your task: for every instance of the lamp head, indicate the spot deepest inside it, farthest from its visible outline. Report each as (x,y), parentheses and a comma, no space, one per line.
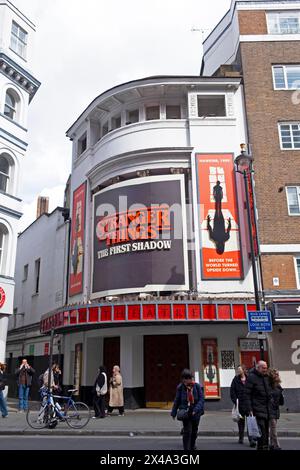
(244,161)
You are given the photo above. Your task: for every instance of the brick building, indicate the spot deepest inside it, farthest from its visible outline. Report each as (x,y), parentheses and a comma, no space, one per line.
(260,40)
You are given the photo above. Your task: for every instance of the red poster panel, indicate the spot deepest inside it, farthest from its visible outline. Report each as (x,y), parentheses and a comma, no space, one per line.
(46,349)
(211,381)
(219,221)
(77,241)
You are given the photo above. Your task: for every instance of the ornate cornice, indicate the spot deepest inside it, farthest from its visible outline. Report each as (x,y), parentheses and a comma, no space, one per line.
(19,75)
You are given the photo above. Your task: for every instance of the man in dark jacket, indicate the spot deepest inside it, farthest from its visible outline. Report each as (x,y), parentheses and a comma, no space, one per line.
(24,377)
(258,401)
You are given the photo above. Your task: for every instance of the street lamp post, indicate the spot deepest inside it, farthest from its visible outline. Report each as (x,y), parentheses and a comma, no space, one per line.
(244,166)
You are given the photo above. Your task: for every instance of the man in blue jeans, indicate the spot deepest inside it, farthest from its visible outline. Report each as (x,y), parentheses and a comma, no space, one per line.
(3,382)
(24,375)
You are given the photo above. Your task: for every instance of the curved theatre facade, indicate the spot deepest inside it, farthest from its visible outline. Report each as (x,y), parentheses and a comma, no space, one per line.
(159,273)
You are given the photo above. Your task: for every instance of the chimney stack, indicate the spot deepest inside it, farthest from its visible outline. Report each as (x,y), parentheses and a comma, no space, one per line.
(42,206)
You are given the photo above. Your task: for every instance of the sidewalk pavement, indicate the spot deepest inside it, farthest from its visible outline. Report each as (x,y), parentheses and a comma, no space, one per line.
(142,422)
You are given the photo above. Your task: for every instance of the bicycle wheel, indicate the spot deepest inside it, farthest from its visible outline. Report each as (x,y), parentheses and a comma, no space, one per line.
(77,415)
(38,415)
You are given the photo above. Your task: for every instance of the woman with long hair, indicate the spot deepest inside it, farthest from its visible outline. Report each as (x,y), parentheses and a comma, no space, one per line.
(277,400)
(237,395)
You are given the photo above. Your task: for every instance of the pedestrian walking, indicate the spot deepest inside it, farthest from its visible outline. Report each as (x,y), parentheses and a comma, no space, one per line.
(188,407)
(258,401)
(3,383)
(277,400)
(24,378)
(57,377)
(238,396)
(116,397)
(99,392)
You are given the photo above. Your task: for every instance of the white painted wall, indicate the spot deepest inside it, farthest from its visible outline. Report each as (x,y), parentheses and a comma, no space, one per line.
(44,239)
(8,13)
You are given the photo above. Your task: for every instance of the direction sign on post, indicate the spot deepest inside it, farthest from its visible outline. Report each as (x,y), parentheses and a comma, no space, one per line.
(260,321)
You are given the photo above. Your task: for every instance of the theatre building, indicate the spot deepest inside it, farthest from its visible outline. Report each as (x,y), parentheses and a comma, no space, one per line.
(159,277)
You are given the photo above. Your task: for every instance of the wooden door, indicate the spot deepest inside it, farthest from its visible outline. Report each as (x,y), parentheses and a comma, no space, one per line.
(165,356)
(111,354)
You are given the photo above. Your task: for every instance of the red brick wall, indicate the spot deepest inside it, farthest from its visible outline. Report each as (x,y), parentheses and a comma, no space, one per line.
(281,266)
(252,22)
(274,168)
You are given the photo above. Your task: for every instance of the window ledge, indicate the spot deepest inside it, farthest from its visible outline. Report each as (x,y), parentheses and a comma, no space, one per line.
(19,55)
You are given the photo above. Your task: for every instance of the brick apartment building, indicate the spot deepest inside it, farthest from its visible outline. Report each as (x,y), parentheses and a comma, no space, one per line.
(260,40)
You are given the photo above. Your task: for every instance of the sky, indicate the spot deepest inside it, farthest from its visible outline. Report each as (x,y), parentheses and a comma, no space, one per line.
(83,48)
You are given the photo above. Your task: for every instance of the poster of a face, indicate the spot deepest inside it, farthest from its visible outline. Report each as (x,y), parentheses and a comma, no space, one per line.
(219,221)
(211,382)
(77,241)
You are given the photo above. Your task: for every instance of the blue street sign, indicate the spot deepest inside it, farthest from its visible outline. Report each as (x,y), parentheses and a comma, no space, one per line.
(260,321)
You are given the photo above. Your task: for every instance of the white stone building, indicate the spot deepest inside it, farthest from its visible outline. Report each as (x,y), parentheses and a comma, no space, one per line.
(138,294)
(17,88)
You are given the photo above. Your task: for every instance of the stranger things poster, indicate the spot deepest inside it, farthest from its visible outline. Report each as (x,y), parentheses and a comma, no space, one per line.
(219,221)
(139,237)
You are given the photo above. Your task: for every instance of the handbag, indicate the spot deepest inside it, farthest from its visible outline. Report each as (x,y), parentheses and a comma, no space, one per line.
(235,414)
(182,414)
(252,426)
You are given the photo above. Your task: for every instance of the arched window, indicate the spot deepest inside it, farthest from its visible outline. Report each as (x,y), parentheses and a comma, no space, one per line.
(10,107)
(3,247)
(4,173)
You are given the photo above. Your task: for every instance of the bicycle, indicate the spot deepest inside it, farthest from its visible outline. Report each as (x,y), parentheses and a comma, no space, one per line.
(49,412)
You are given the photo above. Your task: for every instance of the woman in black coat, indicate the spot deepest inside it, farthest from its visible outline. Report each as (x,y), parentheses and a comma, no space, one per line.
(237,392)
(99,392)
(276,401)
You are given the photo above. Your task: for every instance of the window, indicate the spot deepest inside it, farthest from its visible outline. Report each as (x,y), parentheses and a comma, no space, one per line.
(116,122)
(4,174)
(10,105)
(290,136)
(152,112)
(18,40)
(293,199)
(284,22)
(297,262)
(82,144)
(173,112)
(25,272)
(3,247)
(133,116)
(211,106)
(286,77)
(37,275)
(104,129)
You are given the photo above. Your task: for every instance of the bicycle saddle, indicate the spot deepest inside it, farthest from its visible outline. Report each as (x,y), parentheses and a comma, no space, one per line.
(73,390)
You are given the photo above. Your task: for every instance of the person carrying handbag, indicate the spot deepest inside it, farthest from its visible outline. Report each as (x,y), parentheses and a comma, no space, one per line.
(238,395)
(99,392)
(188,407)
